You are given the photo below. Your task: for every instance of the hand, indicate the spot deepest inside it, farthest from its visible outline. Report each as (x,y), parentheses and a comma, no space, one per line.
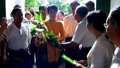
(78,65)
(83,62)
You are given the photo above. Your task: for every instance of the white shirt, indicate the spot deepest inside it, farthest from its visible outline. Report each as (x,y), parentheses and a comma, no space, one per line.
(9,21)
(100,55)
(28,25)
(18,38)
(116,59)
(82,36)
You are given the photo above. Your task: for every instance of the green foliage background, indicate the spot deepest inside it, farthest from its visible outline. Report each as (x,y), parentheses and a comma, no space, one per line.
(61,4)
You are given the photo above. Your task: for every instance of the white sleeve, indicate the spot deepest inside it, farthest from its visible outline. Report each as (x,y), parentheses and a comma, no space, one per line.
(79,34)
(98,60)
(116,59)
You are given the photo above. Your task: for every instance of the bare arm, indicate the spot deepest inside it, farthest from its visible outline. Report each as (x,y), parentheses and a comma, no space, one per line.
(68,45)
(62,32)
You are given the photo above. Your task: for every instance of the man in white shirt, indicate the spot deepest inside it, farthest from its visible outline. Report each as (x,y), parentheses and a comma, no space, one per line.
(82,37)
(18,41)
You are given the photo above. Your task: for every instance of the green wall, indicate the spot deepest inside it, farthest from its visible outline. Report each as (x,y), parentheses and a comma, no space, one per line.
(2,8)
(103,5)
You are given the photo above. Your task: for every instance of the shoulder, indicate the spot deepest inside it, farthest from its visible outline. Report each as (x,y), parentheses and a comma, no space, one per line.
(59,23)
(83,22)
(46,22)
(10,29)
(10,26)
(24,25)
(105,43)
(81,26)
(117,52)
(68,17)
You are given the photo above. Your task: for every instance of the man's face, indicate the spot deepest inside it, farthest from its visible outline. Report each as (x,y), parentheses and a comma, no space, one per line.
(28,16)
(43,13)
(18,17)
(52,14)
(73,7)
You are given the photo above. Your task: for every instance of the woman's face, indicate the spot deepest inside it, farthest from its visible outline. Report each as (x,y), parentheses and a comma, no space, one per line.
(112,31)
(90,28)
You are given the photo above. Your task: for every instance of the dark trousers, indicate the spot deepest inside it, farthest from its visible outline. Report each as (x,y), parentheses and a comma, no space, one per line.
(72,53)
(3,66)
(83,53)
(53,65)
(41,57)
(76,54)
(40,54)
(19,59)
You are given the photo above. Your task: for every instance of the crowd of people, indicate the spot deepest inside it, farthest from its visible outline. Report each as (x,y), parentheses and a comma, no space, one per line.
(86,35)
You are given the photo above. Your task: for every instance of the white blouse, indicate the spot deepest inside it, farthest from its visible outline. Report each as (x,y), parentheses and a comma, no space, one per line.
(100,55)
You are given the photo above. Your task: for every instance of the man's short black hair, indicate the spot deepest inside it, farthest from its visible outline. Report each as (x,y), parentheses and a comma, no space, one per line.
(17,6)
(81,11)
(90,5)
(42,8)
(52,7)
(74,4)
(14,11)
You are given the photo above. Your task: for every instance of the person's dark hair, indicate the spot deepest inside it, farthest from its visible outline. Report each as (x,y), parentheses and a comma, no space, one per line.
(52,7)
(42,8)
(14,11)
(2,19)
(115,17)
(62,12)
(17,6)
(97,19)
(74,4)
(81,11)
(90,5)
(32,12)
